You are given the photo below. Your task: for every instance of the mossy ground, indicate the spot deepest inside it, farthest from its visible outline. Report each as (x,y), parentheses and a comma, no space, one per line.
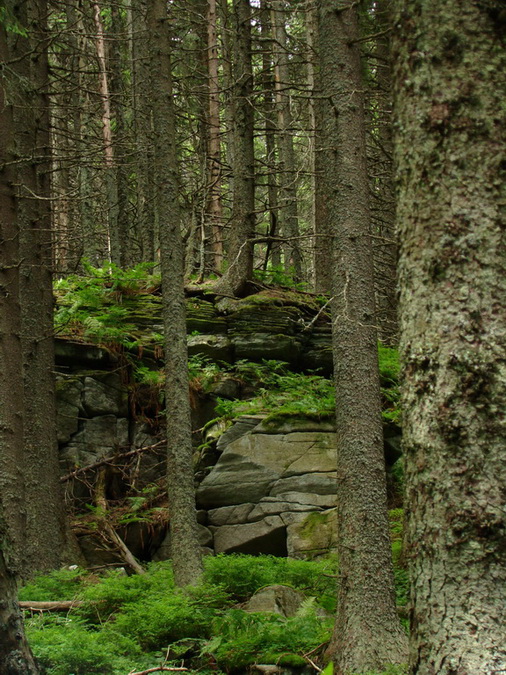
(137,622)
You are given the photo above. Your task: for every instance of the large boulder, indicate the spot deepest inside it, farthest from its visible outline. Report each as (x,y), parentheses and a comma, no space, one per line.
(265,486)
(276,599)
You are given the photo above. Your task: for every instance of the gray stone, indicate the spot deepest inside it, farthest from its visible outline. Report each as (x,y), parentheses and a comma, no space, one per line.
(319,483)
(142,436)
(228,387)
(275,599)
(305,499)
(286,454)
(69,390)
(270,508)
(68,353)
(105,396)
(295,424)
(265,536)
(67,421)
(99,437)
(258,346)
(216,347)
(204,535)
(235,479)
(311,535)
(242,426)
(230,515)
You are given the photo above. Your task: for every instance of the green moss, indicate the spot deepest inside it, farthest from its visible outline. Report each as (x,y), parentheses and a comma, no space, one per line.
(312,523)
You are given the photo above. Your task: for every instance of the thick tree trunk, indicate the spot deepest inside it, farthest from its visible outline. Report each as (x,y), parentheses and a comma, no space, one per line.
(185,549)
(15,655)
(44,510)
(368,635)
(450,150)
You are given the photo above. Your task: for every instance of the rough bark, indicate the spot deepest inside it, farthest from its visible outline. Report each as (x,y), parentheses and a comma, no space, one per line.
(43,508)
(288,210)
(15,656)
(213,208)
(110,169)
(450,152)
(185,549)
(367,635)
(145,215)
(382,178)
(272,249)
(240,246)
(323,156)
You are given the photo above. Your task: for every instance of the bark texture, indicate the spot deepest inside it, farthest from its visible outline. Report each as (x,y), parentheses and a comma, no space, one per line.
(368,635)
(185,549)
(15,655)
(450,152)
(26,87)
(240,246)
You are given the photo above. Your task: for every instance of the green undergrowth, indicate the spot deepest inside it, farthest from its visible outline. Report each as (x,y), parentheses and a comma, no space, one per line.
(102,304)
(280,393)
(121,308)
(138,622)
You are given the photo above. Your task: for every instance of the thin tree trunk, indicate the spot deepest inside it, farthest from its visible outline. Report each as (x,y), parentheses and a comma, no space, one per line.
(213,209)
(240,246)
(367,635)
(324,155)
(450,89)
(273,250)
(185,549)
(111,186)
(288,204)
(145,220)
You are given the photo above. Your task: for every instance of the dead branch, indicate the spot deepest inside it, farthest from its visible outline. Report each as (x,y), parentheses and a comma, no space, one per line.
(109,460)
(50,606)
(124,551)
(158,669)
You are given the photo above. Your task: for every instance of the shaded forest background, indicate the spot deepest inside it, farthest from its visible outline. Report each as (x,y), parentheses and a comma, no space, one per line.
(232,145)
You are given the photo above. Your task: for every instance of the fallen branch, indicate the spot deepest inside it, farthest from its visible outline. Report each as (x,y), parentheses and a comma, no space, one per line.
(159,669)
(49,606)
(124,551)
(109,460)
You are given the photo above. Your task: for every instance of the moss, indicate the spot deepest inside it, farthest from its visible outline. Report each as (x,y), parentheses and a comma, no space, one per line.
(313,522)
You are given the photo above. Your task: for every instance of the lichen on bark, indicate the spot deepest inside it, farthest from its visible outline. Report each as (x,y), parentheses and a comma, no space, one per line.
(450,154)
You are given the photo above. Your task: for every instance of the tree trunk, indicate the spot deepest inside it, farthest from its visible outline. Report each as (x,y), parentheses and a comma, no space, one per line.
(272,250)
(111,185)
(44,509)
(368,635)
(213,208)
(15,655)
(324,156)
(145,214)
(240,246)
(288,204)
(450,148)
(185,549)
